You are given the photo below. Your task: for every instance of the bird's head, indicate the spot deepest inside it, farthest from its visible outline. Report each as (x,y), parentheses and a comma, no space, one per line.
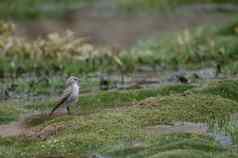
(71,80)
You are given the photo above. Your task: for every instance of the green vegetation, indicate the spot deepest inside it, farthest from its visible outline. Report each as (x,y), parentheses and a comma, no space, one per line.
(190,48)
(88,103)
(114,124)
(224,88)
(231,29)
(200,47)
(114,99)
(195,108)
(9,112)
(169,144)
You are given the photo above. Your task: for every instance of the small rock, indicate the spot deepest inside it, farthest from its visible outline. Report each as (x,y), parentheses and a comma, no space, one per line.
(5,94)
(104,83)
(179,76)
(97,156)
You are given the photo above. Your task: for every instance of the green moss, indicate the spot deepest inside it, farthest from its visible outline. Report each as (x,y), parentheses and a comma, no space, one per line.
(231,29)
(192,107)
(5,119)
(228,154)
(174,89)
(224,88)
(231,68)
(98,131)
(109,99)
(111,126)
(114,99)
(9,113)
(87,103)
(42,106)
(104,139)
(111,123)
(164,143)
(182,154)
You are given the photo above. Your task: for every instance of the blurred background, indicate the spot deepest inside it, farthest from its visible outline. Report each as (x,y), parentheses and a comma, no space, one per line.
(122,41)
(119,43)
(115,23)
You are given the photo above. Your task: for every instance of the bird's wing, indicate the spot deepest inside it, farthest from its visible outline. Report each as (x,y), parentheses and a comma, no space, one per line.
(62,99)
(65,95)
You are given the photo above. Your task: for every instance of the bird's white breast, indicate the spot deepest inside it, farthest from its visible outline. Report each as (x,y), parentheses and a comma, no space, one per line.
(75,92)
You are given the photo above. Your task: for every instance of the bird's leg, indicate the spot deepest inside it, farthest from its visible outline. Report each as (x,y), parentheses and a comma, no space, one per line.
(68,110)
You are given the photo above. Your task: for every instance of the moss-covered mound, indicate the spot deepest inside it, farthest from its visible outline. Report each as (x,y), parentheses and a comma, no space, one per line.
(192,107)
(225,88)
(9,112)
(114,124)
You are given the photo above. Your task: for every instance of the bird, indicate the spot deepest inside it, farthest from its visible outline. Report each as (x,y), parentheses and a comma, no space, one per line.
(70,94)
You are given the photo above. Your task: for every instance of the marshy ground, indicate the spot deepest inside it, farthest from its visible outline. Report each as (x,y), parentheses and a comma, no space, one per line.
(178,119)
(172,94)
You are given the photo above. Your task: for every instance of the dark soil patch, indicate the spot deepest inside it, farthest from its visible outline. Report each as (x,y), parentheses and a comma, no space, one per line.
(26,127)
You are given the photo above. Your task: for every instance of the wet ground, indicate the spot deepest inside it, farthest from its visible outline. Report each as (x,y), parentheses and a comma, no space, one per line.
(116,82)
(24,86)
(35,124)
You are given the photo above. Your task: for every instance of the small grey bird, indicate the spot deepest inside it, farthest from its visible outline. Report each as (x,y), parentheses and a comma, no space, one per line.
(70,94)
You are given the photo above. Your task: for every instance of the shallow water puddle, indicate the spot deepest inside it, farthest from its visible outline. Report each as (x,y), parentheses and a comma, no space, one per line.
(189,127)
(221,137)
(178,127)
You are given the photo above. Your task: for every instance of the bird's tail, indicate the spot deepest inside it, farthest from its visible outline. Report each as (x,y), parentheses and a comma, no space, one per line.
(58,105)
(53,110)
(51,113)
